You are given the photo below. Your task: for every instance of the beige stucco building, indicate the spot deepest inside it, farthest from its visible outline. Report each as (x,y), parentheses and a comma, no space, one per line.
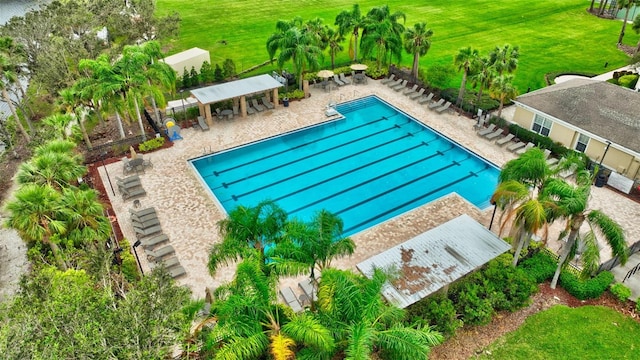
(593,117)
(187,59)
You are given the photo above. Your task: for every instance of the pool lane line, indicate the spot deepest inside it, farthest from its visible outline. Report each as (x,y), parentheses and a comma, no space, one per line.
(377,177)
(422,143)
(406,203)
(317,153)
(217,173)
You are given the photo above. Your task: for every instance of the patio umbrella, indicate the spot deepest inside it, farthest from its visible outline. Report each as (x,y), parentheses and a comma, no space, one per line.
(325,73)
(359,67)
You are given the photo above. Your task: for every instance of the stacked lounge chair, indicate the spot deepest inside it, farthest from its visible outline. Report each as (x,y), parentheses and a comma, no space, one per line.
(411,90)
(436,104)
(444,107)
(130,187)
(425,99)
(402,85)
(417,94)
(391,78)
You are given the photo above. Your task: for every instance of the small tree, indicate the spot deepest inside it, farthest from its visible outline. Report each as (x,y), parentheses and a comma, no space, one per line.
(229,68)
(218,75)
(206,73)
(186,79)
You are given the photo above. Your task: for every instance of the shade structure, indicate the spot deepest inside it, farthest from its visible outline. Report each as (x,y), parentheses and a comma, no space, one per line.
(359,67)
(325,73)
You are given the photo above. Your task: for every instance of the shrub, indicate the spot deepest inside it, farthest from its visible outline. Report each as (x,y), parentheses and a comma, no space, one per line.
(620,291)
(373,71)
(628,81)
(439,75)
(507,287)
(129,266)
(475,309)
(586,289)
(438,311)
(293,94)
(539,267)
(151,144)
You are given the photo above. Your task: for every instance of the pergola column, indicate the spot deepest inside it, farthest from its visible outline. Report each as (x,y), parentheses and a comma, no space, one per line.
(243,106)
(275,98)
(207,111)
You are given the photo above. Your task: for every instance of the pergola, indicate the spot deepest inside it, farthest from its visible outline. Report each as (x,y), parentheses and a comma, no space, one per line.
(238,89)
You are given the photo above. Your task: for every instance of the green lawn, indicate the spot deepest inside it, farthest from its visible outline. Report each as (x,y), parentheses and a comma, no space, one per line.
(589,332)
(554,35)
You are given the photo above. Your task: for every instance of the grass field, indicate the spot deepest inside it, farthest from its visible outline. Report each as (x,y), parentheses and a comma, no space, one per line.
(589,332)
(554,35)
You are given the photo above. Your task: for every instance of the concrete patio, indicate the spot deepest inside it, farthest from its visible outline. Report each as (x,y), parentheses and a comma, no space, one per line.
(188,213)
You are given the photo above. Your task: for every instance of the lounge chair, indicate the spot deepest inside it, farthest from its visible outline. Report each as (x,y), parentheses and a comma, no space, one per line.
(307,288)
(290,299)
(168,263)
(411,91)
(488,130)
(547,152)
(267,103)
(143,218)
(250,110)
(235,110)
(145,224)
(425,99)
(524,149)
(400,86)
(128,186)
(552,161)
(416,95)
(140,233)
(515,146)
(337,81)
(388,80)
(177,271)
(344,79)
(128,194)
(128,179)
(444,107)
(394,83)
(202,123)
(257,106)
(152,242)
(505,139)
(142,212)
(494,134)
(157,255)
(436,104)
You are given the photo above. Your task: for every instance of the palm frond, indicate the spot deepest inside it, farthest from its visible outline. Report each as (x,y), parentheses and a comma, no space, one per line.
(308,330)
(402,343)
(612,232)
(360,342)
(282,347)
(251,347)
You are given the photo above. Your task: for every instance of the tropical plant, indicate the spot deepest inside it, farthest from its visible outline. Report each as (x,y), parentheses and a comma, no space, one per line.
(382,35)
(335,40)
(502,89)
(53,168)
(10,63)
(465,60)
(482,76)
(363,324)
(417,41)
(248,230)
(158,74)
(504,59)
(350,22)
(250,323)
(72,104)
(84,217)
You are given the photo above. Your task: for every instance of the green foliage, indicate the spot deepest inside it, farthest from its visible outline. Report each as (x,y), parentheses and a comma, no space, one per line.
(586,289)
(475,308)
(541,141)
(613,81)
(628,81)
(620,291)
(206,73)
(229,68)
(439,76)
(509,288)
(218,74)
(373,71)
(193,75)
(438,311)
(151,144)
(539,267)
(293,94)
(129,266)
(186,79)
(470,100)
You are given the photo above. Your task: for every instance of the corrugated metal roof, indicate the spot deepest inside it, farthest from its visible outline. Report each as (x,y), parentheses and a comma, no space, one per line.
(434,259)
(233,89)
(184,55)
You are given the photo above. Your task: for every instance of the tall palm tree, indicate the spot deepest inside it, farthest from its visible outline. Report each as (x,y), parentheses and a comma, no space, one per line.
(482,76)
(71,103)
(626,4)
(504,59)
(574,204)
(465,60)
(37,215)
(274,42)
(302,49)
(382,35)
(417,41)
(248,230)
(334,40)
(366,326)
(503,90)
(250,323)
(9,66)
(350,22)
(158,73)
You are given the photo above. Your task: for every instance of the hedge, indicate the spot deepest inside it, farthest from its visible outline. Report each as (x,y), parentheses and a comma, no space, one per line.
(586,289)
(540,267)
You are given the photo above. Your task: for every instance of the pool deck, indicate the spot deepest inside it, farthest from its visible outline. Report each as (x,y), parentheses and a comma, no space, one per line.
(188,213)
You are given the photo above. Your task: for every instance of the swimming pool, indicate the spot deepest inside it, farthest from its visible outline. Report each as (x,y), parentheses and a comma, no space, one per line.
(367,167)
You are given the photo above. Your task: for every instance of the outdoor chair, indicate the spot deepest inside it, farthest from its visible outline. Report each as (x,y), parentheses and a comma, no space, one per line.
(168,263)
(524,149)
(411,91)
(488,130)
(416,95)
(142,225)
(436,104)
(515,146)
(400,86)
(307,288)
(219,113)
(425,99)
(443,107)
(250,110)
(142,212)
(505,139)
(257,106)
(202,123)
(337,81)
(267,103)
(235,110)
(157,255)
(126,166)
(177,271)
(290,299)
(388,80)
(128,194)
(140,233)
(152,242)
(494,134)
(394,83)
(344,79)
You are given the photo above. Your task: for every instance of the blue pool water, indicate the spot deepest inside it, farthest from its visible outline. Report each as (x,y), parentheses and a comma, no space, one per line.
(371,165)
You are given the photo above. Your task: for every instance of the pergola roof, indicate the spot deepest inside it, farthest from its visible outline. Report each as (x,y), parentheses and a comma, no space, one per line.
(435,259)
(234,89)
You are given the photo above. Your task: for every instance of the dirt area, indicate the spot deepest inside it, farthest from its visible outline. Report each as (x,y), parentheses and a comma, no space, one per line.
(471,341)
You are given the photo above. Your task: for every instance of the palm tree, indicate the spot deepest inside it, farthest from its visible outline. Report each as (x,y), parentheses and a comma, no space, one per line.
(417,41)
(627,5)
(251,324)
(350,22)
(302,49)
(274,42)
(9,66)
(502,89)
(37,215)
(505,58)
(50,168)
(158,74)
(59,124)
(482,77)
(382,35)
(84,216)
(573,203)
(465,60)
(366,326)
(334,39)
(71,103)
(248,230)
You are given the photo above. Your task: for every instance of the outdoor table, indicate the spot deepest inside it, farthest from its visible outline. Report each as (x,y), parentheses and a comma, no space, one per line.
(227,112)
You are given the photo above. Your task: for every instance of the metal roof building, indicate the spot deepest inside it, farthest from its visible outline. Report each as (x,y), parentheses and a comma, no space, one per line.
(434,259)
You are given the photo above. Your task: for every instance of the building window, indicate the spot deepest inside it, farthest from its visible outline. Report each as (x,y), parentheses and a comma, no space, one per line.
(541,125)
(581,144)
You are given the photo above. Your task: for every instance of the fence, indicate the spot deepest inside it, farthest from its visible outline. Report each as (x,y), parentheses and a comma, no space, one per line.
(113,148)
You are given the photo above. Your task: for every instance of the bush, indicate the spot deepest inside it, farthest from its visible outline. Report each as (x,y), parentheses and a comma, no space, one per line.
(151,144)
(586,289)
(540,267)
(474,307)
(294,94)
(507,287)
(628,81)
(129,266)
(620,291)
(438,311)
(373,71)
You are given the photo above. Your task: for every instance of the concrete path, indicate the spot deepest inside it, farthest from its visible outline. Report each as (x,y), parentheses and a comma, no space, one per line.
(633,282)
